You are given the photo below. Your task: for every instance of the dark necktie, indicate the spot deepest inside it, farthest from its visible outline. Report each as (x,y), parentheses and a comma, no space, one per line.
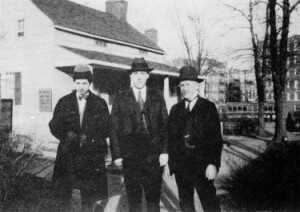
(188,126)
(83,96)
(140,100)
(141,104)
(187,105)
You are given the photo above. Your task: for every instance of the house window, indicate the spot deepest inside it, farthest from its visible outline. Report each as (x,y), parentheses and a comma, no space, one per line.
(292,96)
(288,97)
(296,84)
(45,100)
(291,51)
(143,52)
(298,59)
(297,70)
(21,25)
(295,96)
(291,84)
(10,84)
(101,43)
(270,83)
(270,97)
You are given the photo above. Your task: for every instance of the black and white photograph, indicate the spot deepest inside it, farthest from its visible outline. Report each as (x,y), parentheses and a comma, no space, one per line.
(149,106)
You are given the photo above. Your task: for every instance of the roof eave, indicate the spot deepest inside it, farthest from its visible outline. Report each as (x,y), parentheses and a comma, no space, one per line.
(62,28)
(118,66)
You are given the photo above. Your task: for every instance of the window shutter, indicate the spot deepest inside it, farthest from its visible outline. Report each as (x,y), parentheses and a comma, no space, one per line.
(18,88)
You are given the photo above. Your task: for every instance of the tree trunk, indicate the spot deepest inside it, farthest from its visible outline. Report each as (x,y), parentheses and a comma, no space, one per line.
(280,103)
(279,72)
(259,68)
(261,120)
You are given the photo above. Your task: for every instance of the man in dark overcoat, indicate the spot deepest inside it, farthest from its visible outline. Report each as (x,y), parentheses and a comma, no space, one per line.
(139,138)
(194,144)
(81,122)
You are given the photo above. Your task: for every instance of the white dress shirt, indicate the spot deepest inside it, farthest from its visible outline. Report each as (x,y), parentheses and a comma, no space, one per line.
(81,107)
(191,104)
(136,93)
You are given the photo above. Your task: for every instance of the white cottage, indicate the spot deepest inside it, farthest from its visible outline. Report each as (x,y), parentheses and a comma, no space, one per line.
(42,40)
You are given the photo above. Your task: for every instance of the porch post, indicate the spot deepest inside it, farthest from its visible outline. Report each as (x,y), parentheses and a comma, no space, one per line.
(167,92)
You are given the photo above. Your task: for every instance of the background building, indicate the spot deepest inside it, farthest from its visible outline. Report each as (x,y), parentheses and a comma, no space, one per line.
(246,82)
(215,87)
(293,77)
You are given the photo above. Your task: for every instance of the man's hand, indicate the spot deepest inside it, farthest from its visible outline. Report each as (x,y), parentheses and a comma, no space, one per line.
(163,159)
(211,172)
(119,162)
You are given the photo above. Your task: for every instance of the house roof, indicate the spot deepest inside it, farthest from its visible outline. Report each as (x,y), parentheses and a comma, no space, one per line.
(95,55)
(77,17)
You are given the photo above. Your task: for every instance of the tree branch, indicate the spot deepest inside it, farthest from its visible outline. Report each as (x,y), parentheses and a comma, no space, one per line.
(242,13)
(294,6)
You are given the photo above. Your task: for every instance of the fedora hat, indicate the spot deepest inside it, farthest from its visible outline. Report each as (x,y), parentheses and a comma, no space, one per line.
(188,73)
(139,64)
(83,71)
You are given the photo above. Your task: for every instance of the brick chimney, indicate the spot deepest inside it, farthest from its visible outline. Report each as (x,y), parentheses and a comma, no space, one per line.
(118,8)
(152,35)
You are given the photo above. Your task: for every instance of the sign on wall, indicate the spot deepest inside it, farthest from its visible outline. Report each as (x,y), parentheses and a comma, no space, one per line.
(45,100)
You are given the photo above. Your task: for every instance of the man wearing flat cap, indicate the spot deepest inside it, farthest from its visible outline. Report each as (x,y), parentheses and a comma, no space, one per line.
(81,122)
(139,138)
(194,144)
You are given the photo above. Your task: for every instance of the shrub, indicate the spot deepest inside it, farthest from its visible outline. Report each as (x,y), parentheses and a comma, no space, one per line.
(269,182)
(12,169)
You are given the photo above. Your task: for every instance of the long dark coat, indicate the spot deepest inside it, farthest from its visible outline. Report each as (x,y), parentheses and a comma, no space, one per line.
(125,125)
(205,135)
(74,158)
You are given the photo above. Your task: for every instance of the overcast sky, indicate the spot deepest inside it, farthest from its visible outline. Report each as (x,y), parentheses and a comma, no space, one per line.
(220,25)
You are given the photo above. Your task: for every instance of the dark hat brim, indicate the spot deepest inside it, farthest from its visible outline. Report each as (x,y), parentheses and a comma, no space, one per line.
(83,75)
(191,79)
(143,70)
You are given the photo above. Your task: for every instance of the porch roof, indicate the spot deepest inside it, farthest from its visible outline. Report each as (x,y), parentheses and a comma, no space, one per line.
(119,62)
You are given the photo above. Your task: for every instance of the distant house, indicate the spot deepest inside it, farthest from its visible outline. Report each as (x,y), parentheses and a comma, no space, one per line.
(42,40)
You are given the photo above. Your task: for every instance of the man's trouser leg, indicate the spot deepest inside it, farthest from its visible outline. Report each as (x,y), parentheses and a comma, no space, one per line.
(92,190)
(207,194)
(132,180)
(186,192)
(152,187)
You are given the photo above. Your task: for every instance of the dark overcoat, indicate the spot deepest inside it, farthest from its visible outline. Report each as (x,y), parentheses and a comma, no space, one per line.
(80,158)
(125,126)
(205,136)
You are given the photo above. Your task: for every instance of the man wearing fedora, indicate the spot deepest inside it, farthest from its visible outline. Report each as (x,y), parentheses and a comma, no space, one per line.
(81,122)
(194,144)
(139,138)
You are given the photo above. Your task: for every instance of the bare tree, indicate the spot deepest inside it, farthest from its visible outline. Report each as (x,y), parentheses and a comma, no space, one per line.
(259,51)
(279,20)
(194,44)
